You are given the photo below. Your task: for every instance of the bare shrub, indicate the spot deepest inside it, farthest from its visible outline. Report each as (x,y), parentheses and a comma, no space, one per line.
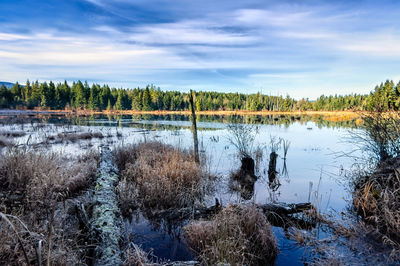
(242,136)
(380,137)
(164,176)
(236,235)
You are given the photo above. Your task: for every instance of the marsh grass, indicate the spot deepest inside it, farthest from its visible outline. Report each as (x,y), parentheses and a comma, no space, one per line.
(37,192)
(236,235)
(135,256)
(376,189)
(159,176)
(12,133)
(377,199)
(5,142)
(73,137)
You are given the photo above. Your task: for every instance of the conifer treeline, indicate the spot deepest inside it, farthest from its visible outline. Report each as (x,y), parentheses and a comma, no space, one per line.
(80,95)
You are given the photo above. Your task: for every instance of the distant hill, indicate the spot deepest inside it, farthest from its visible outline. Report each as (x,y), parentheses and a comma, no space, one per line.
(7,84)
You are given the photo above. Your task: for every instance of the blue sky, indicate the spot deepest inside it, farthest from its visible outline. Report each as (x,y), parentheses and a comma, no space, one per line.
(300,48)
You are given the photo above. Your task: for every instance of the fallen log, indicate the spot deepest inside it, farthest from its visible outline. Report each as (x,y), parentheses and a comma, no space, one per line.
(284,208)
(106,218)
(277,213)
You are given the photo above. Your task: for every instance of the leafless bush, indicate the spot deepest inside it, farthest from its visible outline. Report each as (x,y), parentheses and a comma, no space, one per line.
(242,136)
(236,235)
(164,176)
(380,136)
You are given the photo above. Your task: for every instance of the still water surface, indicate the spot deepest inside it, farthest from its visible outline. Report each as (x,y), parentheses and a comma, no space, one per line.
(312,170)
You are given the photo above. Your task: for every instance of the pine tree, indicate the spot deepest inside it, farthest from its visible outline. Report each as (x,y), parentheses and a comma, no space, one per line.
(146,101)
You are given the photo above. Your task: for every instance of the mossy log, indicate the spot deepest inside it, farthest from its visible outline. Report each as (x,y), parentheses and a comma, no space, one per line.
(106,218)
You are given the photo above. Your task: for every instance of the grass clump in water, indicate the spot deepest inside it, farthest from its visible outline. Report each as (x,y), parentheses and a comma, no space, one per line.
(236,235)
(159,176)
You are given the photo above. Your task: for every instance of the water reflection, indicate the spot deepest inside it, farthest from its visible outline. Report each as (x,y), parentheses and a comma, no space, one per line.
(146,121)
(309,150)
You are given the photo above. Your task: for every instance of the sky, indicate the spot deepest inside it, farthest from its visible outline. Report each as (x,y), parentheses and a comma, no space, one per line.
(300,48)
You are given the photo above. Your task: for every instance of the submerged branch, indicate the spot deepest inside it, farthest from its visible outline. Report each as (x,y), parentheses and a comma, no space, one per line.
(273,211)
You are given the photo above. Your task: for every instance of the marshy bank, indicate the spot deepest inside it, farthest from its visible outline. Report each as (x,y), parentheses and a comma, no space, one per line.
(40,197)
(376,189)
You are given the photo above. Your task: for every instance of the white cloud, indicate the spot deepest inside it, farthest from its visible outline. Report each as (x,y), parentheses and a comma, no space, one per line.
(188,32)
(12,37)
(262,17)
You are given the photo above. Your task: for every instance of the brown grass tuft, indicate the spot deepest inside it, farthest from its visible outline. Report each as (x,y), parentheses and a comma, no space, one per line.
(236,235)
(164,176)
(12,133)
(73,137)
(36,196)
(135,256)
(377,199)
(5,142)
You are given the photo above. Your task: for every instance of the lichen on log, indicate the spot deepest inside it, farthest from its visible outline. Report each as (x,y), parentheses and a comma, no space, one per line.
(106,216)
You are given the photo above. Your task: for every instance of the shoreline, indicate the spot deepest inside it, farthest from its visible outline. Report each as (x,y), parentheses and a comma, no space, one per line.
(349,114)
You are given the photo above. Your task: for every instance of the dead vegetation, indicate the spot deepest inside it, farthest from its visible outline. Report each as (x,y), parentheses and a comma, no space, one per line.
(159,176)
(376,196)
(5,142)
(377,199)
(73,136)
(12,133)
(238,235)
(38,193)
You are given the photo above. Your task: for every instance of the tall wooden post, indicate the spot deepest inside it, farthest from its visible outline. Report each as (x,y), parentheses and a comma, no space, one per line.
(194,128)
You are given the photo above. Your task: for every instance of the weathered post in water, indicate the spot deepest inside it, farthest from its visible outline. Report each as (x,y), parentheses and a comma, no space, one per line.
(272,167)
(194,128)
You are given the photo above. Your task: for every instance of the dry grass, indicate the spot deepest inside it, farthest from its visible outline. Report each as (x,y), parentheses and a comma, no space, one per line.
(73,137)
(5,142)
(376,194)
(38,178)
(160,175)
(236,235)
(10,133)
(35,193)
(377,199)
(135,256)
